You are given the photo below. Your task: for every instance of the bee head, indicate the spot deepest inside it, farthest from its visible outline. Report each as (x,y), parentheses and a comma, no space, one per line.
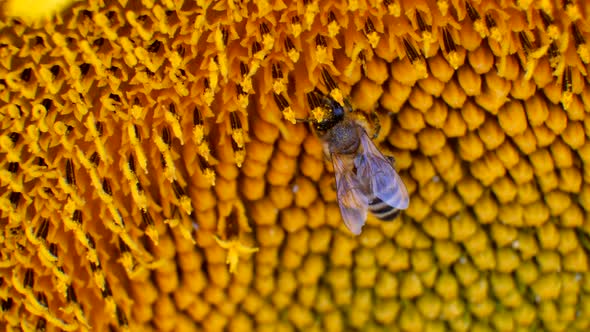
(330,113)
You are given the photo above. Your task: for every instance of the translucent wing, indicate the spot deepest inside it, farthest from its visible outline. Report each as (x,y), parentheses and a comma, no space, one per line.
(351,194)
(377,170)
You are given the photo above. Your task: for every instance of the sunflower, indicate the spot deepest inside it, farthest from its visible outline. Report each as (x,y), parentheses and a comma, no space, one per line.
(154,175)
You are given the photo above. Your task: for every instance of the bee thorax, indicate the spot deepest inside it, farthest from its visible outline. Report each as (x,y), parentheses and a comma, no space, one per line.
(343,138)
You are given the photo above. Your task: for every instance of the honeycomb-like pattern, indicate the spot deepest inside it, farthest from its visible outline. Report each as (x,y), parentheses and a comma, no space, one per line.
(153,177)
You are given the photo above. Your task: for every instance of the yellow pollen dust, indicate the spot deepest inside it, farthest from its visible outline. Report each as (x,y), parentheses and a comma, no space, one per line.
(289,115)
(293,55)
(311,10)
(208,97)
(318,114)
(203,150)
(480,27)
(584,53)
(333,29)
(573,11)
(443,6)
(268,42)
(553,32)
(496,34)
(210,176)
(394,9)
(454,59)
(426,40)
(279,86)
(198,134)
(243,101)
(374,38)
(238,137)
(296,29)
(246,84)
(239,157)
(566,99)
(336,94)
(321,53)
(152,233)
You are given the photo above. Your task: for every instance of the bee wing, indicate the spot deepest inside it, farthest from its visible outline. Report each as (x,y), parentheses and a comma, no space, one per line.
(351,197)
(383,180)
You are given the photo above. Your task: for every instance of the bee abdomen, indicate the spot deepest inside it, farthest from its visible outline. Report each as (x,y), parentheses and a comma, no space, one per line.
(382,210)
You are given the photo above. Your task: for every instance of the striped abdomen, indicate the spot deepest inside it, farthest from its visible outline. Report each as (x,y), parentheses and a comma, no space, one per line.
(382,210)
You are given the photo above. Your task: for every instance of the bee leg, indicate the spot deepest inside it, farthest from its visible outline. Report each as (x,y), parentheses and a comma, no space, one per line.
(391,160)
(376,124)
(298,120)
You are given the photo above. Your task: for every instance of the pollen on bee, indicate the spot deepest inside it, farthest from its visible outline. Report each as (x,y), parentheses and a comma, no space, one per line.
(317,111)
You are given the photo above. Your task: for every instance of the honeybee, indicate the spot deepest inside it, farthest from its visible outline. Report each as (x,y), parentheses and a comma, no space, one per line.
(365,178)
